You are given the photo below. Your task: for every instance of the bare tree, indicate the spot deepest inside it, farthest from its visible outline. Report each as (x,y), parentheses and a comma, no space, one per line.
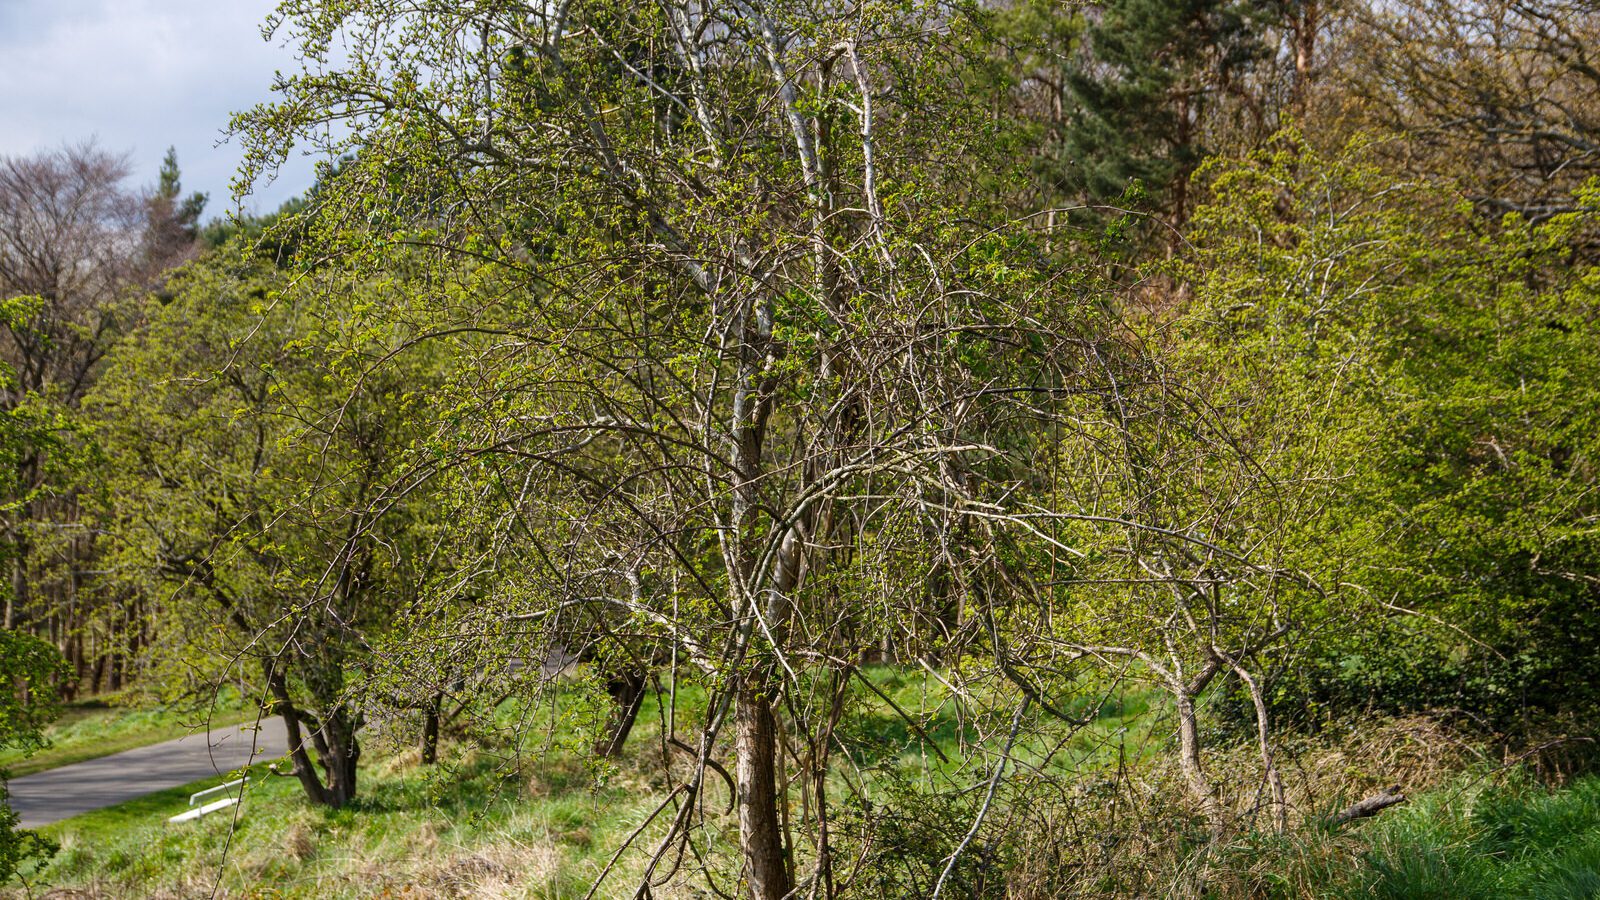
(1497,94)
(70,234)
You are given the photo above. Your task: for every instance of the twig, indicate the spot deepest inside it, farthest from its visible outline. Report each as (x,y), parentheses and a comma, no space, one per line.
(988,798)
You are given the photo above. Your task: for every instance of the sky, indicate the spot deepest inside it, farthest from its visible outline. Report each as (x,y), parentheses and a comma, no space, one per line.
(139,76)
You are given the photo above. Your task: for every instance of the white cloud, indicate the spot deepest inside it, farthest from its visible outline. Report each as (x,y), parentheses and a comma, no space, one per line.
(141,75)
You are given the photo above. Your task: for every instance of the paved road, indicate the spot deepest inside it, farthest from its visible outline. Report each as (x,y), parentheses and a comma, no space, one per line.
(65,792)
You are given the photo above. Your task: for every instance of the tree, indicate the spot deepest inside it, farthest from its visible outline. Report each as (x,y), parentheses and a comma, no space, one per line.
(30,671)
(249,450)
(173,229)
(1496,96)
(1152,84)
(1436,370)
(78,249)
(763,365)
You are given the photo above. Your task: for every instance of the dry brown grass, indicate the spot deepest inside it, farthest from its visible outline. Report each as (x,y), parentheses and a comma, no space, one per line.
(1140,835)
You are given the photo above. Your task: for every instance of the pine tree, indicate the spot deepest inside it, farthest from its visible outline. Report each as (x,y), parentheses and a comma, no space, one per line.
(1150,74)
(174,220)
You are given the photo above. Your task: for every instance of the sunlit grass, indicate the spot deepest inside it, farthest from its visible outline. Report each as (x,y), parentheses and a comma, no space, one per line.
(518,808)
(101,726)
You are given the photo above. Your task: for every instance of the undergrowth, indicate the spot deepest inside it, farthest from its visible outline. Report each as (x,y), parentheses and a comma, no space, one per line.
(517,807)
(1479,837)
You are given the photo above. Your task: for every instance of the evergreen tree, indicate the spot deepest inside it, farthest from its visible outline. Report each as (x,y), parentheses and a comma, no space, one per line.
(1150,74)
(174,220)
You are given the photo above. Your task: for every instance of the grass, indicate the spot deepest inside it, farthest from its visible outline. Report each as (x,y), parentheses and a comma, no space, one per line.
(1476,839)
(417,832)
(1515,840)
(99,727)
(490,821)
(532,817)
(482,822)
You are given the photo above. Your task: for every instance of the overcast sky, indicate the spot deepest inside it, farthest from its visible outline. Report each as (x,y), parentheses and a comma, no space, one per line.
(141,75)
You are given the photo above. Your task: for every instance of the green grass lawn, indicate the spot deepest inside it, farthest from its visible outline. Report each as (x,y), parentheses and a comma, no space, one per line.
(100,726)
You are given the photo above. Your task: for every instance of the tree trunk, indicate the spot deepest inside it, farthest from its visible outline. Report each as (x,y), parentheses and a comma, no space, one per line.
(1371,806)
(114,673)
(430,730)
(1304,29)
(333,738)
(760,831)
(338,750)
(627,695)
(17,602)
(304,770)
(1269,766)
(1184,696)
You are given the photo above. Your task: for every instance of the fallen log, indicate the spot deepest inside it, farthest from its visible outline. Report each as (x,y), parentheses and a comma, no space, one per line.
(1371,806)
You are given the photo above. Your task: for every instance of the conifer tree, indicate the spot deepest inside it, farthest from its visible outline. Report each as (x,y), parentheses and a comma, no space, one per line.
(174,220)
(1150,75)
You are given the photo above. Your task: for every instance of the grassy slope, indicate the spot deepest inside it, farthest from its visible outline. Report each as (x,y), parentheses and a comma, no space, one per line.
(544,828)
(98,727)
(410,831)
(486,826)
(477,821)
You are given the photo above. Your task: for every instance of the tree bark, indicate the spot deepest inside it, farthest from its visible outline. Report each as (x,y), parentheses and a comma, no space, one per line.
(430,730)
(333,736)
(1304,29)
(1189,762)
(304,770)
(627,695)
(1371,806)
(338,750)
(17,602)
(1269,767)
(755,770)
